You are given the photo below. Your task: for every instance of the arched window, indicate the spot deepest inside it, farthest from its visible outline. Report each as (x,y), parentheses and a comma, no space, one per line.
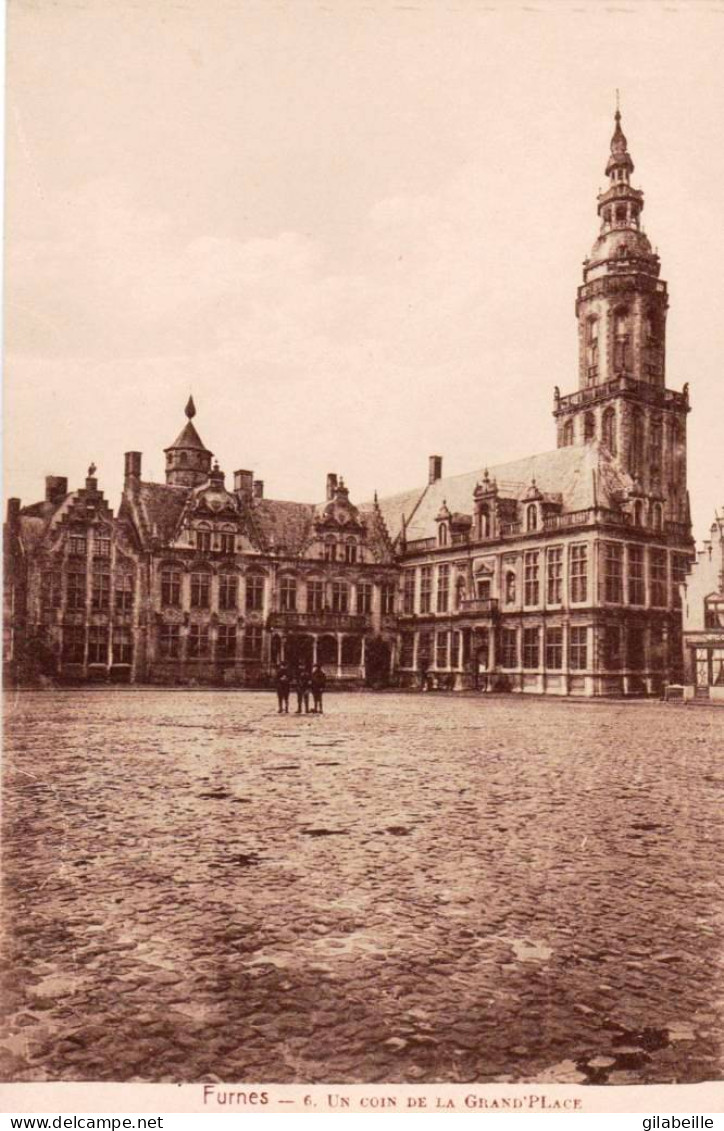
(330,550)
(608,430)
(637,442)
(589,427)
(484,522)
(567,434)
(442,534)
(657,516)
(591,351)
(531,517)
(622,341)
(638,513)
(350,550)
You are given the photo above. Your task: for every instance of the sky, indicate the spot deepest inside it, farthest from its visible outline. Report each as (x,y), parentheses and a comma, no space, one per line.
(353,230)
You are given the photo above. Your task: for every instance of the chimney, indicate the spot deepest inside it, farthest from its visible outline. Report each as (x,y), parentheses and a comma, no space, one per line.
(244,482)
(133,465)
(258,488)
(331,484)
(13,514)
(56,488)
(435,472)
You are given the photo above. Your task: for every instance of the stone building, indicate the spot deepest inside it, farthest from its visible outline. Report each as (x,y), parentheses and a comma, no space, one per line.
(559,573)
(197,583)
(704,619)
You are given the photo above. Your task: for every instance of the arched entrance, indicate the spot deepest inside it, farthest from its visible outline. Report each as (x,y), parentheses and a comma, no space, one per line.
(378,662)
(300,650)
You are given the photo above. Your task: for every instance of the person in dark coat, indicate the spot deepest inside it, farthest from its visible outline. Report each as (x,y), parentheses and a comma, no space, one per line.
(318,684)
(283,688)
(303,682)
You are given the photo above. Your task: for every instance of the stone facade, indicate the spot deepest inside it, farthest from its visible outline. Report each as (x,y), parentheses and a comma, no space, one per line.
(560,573)
(704,619)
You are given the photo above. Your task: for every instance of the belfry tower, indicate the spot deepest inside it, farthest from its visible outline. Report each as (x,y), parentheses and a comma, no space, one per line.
(622,399)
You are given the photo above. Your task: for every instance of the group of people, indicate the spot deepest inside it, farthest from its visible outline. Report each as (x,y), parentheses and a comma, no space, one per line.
(305,681)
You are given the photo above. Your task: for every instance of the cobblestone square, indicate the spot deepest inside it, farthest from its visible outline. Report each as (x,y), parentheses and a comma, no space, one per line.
(411,888)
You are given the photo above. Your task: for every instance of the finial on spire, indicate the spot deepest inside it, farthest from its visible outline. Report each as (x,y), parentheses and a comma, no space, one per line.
(618,104)
(190,409)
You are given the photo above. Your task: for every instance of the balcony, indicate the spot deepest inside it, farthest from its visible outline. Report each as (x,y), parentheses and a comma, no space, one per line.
(653,394)
(320,622)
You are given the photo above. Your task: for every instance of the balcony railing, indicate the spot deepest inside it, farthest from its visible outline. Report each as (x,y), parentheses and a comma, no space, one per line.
(653,394)
(320,622)
(485,606)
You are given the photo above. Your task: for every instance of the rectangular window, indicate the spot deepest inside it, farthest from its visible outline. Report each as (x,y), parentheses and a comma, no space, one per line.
(254,592)
(426,589)
(340,597)
(101,593)
(636,580)
(635,648)
(122,645)
(198,641)
(330,551)
(364,597)
(124,592)
(407,649)
(51,590)
(657,578)
(555,575)
(509,648)
(408,592)
(455,650)
(101,545)
(170,641)
(532,585)
(613,572)
(77,543)
(288,595)
(171,588)
(74,644)
(578,573)
(203,541)
(442,646)
(424,650)
(227,542)
(554,649)
(98,644)
(226,642)
(350,552)
(611,647)
(578,648)
(443,588)
(679,572)
(76,594)
(315,596)
(200,590)
(253,642)
(228,590)
(531,647)
(387,598)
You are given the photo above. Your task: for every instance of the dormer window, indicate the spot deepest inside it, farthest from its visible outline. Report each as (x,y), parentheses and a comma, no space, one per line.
(350,552)
(657,516)
(330,550)
(227,541)
(203,540)
(484,522)
(442,534)
(638,513)
(531,517)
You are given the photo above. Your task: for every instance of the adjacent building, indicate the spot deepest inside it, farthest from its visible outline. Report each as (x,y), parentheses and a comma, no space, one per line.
(704,618)
(560,573)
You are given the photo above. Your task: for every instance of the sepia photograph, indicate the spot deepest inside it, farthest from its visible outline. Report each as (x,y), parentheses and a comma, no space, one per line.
(363,552)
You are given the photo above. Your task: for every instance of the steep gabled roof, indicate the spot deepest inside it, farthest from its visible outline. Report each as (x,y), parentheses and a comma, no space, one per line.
(159,507)
(580,476)
(282,525)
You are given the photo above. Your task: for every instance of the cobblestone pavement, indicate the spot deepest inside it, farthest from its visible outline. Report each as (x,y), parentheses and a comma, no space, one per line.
(410,888)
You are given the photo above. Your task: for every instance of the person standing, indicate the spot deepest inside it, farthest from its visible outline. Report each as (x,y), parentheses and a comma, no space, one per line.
(283,688)
(318,684)
(303,682)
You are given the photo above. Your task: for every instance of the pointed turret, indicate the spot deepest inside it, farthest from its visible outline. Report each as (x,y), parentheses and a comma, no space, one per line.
(188,460)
